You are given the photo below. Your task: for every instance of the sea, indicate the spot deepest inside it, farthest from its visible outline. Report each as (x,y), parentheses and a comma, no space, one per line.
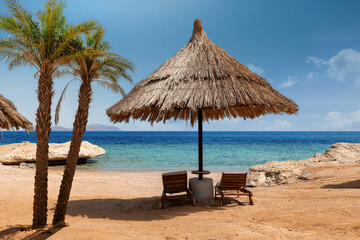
(167,151)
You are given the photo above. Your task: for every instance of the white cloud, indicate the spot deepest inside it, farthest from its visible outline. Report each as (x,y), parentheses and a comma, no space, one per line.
(317,61)
(343,121)
(287,83)
(257,70)
(344,65)
(310,76)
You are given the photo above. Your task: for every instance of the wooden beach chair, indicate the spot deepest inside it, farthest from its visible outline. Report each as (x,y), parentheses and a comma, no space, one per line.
(175,182)
(231,182)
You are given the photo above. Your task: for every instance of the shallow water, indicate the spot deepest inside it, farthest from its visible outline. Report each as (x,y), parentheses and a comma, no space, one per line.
(236,151)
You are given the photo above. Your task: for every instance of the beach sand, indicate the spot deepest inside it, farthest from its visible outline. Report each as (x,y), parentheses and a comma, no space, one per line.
(125,205)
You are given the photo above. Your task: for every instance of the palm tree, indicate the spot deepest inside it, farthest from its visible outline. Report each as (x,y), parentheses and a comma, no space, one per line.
(94,64)
(44,43)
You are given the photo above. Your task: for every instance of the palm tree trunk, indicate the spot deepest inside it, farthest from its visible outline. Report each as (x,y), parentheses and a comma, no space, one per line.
(43,128)
(79,128)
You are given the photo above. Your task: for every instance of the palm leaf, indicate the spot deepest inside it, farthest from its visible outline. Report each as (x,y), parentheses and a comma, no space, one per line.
(58,106)
(111,86)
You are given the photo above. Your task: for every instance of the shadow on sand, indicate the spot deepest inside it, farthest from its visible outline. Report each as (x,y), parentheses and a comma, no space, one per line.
(27,233)
(352,184)
(136,209)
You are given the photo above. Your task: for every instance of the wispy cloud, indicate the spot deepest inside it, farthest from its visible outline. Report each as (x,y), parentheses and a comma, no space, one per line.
(317,61)
(255,69)
(310,76)
(287,83)
(344,65)
(344,121)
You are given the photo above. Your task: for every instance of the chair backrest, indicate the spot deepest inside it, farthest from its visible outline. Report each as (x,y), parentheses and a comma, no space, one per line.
(233,181)
(175,181)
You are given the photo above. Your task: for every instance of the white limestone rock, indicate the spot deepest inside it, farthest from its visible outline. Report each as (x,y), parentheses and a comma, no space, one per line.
(17,153)
(279,172)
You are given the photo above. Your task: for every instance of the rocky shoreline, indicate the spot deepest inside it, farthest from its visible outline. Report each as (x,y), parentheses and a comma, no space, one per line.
(25,152)
(276,172)
(268,174)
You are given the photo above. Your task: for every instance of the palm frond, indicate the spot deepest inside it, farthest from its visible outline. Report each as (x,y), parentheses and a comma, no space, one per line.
(52,23)
(22,20)
(111,86)
(58,106)
(15,53)
(70,33)
(65,72)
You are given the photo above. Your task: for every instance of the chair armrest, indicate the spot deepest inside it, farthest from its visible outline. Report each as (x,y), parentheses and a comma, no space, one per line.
(246,191)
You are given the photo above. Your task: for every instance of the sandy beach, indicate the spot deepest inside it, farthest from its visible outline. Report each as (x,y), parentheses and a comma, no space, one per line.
(125,205)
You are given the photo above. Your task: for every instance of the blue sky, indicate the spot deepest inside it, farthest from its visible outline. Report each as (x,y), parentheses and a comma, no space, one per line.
(308,50)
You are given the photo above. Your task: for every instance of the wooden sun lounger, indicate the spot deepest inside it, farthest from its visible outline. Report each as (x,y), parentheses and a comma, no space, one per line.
(175,182)
(231,182)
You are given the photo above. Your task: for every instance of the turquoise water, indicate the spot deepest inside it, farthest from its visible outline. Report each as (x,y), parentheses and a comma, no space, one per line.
(152,151)
(217,157)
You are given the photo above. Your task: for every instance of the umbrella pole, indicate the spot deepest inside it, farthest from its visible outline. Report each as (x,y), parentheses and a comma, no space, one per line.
(200,135)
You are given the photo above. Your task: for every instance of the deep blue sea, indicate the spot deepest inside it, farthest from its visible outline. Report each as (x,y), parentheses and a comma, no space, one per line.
(236,151)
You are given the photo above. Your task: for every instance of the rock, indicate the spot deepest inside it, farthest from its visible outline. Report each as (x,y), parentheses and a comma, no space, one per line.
(257,177)
(275,172)
(341,151)
(280,172)
(282,182)
(26,152)
(305,176)
(251,184)
(268,181)
(26,165)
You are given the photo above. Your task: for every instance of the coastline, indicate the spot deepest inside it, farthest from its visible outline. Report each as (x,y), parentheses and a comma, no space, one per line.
(106,205)
(223,151)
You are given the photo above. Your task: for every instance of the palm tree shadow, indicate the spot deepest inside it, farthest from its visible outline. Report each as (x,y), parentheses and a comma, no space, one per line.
(136,209)
(27,233)
(351,184)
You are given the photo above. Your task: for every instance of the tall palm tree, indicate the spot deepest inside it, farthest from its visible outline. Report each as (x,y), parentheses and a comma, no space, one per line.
(94,64)
(45,43)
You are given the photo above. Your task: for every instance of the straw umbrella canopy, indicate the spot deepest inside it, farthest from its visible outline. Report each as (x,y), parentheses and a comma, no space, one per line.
(10,118)
(201,82)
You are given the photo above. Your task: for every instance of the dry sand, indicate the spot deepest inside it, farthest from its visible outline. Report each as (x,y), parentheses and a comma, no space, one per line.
(125,205)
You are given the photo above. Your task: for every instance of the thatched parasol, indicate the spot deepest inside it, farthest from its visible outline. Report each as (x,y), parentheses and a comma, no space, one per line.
(200,82)
(10,118)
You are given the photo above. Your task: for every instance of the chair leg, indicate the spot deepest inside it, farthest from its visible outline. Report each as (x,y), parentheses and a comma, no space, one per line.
(250,199)
(250,196)
(237,194)
(162,201)
(222,200)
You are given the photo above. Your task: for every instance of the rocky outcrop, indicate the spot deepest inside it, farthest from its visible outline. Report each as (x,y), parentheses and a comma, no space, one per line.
(25,152)
(276,172)
(341,152)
